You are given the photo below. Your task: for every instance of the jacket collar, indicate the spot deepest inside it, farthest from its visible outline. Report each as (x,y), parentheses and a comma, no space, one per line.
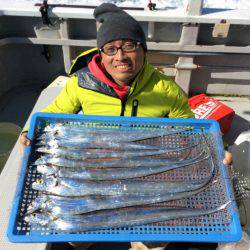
(82,60)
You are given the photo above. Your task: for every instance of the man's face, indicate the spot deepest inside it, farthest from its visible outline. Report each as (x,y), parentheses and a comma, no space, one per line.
(123,66)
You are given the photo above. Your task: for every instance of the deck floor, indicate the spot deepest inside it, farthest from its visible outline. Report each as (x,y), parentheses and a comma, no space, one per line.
(241,122)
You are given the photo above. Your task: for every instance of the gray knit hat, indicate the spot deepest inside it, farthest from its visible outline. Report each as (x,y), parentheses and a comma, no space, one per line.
(116,24)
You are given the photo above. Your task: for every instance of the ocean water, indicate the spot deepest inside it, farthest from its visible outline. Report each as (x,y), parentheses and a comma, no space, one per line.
(173,4)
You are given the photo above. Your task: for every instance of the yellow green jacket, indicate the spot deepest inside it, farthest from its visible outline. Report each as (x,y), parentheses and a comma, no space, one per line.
(152,94)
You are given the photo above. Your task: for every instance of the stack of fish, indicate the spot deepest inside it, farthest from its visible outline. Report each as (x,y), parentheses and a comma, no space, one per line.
(97,178)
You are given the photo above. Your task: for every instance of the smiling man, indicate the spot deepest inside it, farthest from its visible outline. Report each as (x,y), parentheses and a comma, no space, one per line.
(116,78)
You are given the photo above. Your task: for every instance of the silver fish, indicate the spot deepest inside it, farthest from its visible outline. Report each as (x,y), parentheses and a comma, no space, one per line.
(116,218)
(90,135)
(87,172)
(121,173)
(81,144)
(47,170)
(116,163)
(107,153)
(57,205)
(94,135)
(121,134)
(76,187)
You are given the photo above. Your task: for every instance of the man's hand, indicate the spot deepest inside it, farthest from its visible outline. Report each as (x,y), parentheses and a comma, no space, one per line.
(228,159)
(24,142)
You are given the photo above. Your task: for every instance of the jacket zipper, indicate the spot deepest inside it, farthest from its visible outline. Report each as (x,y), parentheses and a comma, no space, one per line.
(123,108)
(124,103)
(135,104)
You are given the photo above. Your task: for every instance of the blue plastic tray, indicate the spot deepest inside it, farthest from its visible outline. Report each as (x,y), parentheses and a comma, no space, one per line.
(221,226)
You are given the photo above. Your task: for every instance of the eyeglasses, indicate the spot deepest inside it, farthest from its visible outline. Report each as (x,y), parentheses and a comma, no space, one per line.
(128,47)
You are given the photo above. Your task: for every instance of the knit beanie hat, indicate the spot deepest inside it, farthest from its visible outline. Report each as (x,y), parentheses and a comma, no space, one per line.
(116,24)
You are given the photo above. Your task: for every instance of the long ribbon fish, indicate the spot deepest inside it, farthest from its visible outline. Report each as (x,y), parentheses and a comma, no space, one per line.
(116,173)
(57,205)
(107,153)
(81,144)
(76,187)
(115,218)
(102,141)
(108,163)
(96,134)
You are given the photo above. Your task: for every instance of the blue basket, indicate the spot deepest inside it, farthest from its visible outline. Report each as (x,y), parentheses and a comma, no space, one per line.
(221,226)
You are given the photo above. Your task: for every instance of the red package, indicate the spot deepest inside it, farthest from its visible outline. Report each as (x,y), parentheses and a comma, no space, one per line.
(205,107)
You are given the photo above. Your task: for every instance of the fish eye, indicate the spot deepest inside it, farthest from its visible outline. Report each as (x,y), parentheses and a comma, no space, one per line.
(40,181)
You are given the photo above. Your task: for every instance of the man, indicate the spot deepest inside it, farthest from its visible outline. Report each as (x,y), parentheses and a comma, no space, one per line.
(117,79)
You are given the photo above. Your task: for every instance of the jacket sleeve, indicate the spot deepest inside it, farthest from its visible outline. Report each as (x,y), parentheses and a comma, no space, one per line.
(181,108)
(67,101)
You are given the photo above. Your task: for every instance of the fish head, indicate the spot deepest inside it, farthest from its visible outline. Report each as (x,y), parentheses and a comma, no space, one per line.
(42,137)
(55,130)
(47,159)
(37,218)
(53,144)
(50,128)
(41,160)
(42,149)
(46,140)
(44,184)
(47,170)
(47,149)
(38,203)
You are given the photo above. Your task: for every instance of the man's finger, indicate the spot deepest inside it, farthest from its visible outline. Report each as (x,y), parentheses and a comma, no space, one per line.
(228,158)
(27,142)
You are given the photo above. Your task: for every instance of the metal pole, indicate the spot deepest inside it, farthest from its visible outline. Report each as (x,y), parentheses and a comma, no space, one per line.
(65,48)
(188,37)
(163,47)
